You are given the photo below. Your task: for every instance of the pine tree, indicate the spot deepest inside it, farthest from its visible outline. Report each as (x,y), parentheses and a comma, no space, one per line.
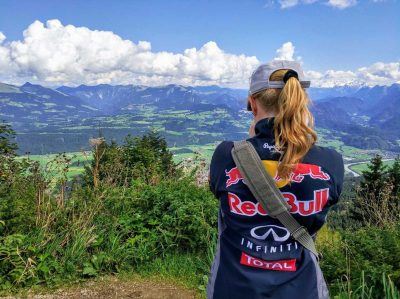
(7,146)
(369,192)
(8,150)
(375,177)
(394,176)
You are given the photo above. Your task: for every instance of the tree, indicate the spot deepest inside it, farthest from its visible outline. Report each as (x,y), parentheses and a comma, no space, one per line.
(375,177)
(146,157)
(375,202)
(149,156)
(7,151)
(7,146)
(18,186)
(394,176)
(107,165)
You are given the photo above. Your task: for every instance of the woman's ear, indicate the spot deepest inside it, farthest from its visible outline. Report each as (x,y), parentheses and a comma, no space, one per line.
(253,105)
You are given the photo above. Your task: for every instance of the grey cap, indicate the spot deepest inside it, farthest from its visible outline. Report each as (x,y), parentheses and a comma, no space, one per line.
(259,80)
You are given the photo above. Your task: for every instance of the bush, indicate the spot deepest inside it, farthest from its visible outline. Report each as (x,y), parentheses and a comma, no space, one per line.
(151,221)
(110,230)
(136,206)
(361,256)
(146,157)
(19,190)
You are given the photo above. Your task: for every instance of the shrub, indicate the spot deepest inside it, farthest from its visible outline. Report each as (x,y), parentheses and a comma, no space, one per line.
(377,200)
(146,157)
(350,254)
(110,230)
(19,189)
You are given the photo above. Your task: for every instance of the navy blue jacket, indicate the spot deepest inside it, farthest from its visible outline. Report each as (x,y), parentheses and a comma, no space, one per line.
(256,257)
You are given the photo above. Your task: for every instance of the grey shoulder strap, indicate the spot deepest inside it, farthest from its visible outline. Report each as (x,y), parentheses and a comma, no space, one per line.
(264,189)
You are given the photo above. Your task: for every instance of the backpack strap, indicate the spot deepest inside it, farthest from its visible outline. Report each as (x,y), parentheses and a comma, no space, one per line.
(264,189)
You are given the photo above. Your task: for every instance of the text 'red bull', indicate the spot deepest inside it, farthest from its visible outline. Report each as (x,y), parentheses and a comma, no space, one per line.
(297,176)
(304,208)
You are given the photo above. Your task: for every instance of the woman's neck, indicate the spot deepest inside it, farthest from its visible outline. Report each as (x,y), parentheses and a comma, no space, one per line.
(262,115)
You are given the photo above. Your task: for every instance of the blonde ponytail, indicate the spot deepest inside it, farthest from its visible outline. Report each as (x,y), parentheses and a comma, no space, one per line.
(293,123)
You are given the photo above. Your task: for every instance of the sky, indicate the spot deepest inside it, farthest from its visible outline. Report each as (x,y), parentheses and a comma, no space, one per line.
(219,42)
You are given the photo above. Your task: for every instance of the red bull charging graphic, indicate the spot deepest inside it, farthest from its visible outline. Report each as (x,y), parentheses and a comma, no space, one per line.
(297,176)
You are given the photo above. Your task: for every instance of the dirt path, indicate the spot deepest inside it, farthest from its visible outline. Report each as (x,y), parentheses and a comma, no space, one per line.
(112,287)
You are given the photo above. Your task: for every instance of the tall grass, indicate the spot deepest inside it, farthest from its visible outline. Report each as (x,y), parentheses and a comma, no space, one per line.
(364,291)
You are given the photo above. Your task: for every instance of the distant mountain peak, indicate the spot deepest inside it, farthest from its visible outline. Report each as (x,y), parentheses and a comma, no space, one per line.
(28,84)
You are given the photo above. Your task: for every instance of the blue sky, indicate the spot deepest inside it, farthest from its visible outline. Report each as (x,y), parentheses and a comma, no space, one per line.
(324,37)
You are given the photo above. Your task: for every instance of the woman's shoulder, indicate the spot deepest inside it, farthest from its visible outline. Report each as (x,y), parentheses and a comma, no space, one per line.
(328,154)
(328,158)
(222,153)
(224,148)
(220,162)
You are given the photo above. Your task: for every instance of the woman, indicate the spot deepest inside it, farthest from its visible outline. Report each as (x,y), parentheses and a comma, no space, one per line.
(256,256)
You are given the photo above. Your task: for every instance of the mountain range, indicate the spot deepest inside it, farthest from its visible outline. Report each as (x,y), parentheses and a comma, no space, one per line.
(31,105)
(366,117)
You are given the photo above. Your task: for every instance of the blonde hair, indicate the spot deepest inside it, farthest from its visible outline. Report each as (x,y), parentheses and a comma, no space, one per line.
(293,123)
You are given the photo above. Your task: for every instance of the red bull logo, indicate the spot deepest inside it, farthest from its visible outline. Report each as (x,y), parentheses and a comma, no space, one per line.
(304,208)
(234,176)
(300,172)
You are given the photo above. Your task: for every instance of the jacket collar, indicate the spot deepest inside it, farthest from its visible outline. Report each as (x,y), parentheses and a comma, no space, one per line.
(265,127)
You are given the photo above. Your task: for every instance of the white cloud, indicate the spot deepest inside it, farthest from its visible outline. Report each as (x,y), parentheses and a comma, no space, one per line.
(285,52)
(376,74)
(291,3)
(380,73)
(341,4)
(288,3)
(2,37)
(7,67)
(58,54)
(331,78)
(53,54)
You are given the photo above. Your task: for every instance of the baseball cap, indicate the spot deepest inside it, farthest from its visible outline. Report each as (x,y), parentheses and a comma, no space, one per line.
(259,80)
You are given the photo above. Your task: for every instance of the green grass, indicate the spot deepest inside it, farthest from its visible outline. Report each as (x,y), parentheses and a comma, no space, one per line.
(359,168)
(74,156)
(204,151)
(180,269)
(76,166)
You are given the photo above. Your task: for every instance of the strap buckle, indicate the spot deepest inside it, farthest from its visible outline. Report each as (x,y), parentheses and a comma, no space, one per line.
(298,232)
